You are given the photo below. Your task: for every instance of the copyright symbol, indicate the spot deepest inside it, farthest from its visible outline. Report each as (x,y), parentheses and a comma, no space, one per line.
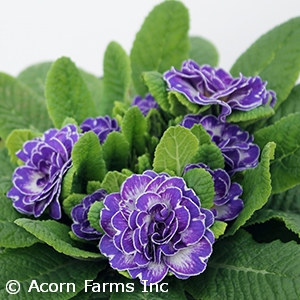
(12,287)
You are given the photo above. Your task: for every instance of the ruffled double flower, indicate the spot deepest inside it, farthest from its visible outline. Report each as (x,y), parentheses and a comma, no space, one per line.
(205,85)
(155,225)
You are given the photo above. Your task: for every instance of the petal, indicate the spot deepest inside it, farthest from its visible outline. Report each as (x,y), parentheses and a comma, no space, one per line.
(117,259)
(147,200)
(153,273)
(194,232)
(190,261)
(134,186)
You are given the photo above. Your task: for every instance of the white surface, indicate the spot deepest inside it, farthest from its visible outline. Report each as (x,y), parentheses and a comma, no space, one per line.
(33,31)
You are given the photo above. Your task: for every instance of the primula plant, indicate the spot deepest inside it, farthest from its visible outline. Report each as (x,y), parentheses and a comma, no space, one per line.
(168,178)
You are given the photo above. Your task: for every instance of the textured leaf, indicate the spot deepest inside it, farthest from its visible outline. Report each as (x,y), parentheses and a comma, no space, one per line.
(202,183)
(202,135)
(116,151)
(95,86)
(16,140)
(94,215)
(162,42)
(134,126)
(7,169)
(256,188)
(20,107)
(218,228)
(35,77)
(144,163)
(67,94)
(250,116)
(43,264)
(176,148)
(113,181)
(275,58)
(117,76)
(180,105)
(87,157)
(291,220)
(203,51)
(243,269)
(11,235)
(71,201)
(211,155)
(288,201)
(158,88)
(285,168)
(56,235)
(289,106)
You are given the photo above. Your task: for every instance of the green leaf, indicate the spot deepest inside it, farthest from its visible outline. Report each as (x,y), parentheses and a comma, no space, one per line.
(211,155)
(203,51)
(202,135)
(95,86)
(67,94)
(285,168)
(155,123)
(93,186)
(7,168)
(44,265)
(291,220)
(117,76)
(275,58)
(161,43)
(289,106)
(35,77)
(180,105)
(240,268)
(251,116)
(158,88)
(134,126)
(202,183)
(20,107)
(71,201)
(144,163)
(16,140)
(218,228)
(116,151)
(256,188)
(94,215)
(87,158)
(112,181)
(288,201)
(176,148)
(56,235)
(11,235)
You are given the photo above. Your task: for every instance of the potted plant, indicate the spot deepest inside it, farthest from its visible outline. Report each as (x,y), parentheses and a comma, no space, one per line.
(169,177)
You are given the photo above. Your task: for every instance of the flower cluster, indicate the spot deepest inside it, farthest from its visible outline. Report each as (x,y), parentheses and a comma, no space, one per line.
(102,126)
(37,184)
(156,225)
(81,225)
(227,204)
(205,85)
(235,144)
(153,223)
(145,104)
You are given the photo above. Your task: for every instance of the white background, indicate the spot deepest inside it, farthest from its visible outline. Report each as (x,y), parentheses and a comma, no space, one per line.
(33,31)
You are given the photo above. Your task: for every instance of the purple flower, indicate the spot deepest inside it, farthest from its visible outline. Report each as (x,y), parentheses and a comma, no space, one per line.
(37,184)
(102,126)
(145,104)
(81,226)
(227,204)
(205,85)
(155,225)
(235,144)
